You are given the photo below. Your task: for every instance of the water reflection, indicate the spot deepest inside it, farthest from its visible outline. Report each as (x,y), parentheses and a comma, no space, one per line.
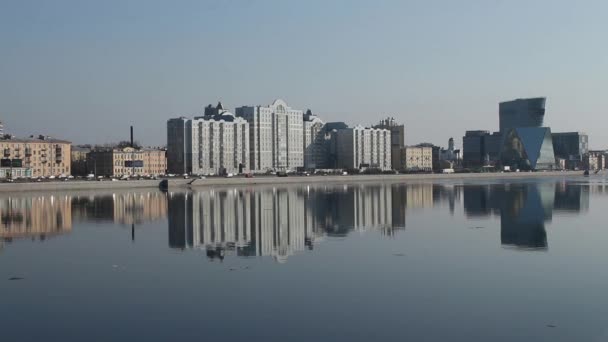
(36,217)
(42,216)
(524,208)
(281,221)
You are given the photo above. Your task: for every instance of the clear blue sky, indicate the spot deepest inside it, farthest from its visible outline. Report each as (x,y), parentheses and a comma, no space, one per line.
(86,70)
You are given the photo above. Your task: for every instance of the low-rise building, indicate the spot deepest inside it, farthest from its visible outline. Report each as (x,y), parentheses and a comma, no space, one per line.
(595,160)
(39,156)
(417,158)
(127,161)
(79,160)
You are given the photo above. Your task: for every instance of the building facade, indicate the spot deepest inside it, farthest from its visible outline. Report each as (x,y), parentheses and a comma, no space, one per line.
(417,158)
(34,157)
(521,113)
(361,147)
(276,139)
(315,145)
(480,148)
(528,148)
(397,140)
(595,160)
(213,144)
(128,161)
(79,160)
(571,146)
(179,146)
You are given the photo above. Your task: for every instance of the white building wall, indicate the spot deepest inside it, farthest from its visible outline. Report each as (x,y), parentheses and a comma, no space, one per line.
(359,145)
(276,136)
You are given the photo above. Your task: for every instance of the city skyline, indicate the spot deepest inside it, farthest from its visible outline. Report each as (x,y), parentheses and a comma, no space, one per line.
(90,65)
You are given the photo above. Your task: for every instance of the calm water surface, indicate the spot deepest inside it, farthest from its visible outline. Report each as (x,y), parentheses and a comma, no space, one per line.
(448,261)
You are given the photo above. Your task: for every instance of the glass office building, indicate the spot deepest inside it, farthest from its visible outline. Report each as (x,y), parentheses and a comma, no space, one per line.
(521,113)
(528,148)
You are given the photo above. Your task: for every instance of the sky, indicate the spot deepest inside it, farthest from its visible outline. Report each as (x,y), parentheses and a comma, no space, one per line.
(86,70)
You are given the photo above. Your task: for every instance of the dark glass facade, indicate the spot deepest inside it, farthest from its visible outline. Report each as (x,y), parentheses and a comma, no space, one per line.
(521,113)
(528,148)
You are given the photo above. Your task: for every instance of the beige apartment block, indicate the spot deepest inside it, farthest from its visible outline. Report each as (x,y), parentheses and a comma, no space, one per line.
(128,161)
(34,157)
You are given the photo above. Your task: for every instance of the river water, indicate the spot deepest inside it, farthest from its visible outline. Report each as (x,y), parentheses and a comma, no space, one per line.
(516,260)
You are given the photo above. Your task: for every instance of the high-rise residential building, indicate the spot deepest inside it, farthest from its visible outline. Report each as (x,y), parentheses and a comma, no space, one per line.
(127,161)
(397,140)
(521,113)
(40,156)
(315,145)
(361,147)
(276,140)
(215,143)
(571,146)
(417,158)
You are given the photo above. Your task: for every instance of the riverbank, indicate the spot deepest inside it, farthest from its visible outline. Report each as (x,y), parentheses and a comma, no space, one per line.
(179,183)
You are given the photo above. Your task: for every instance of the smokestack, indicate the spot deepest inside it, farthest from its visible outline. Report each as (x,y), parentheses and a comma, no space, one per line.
(132,136)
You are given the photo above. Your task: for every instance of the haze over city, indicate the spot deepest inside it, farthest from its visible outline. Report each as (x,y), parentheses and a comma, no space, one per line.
(85,71)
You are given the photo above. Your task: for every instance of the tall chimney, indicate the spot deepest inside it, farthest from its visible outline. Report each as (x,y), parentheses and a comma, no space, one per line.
(132,136)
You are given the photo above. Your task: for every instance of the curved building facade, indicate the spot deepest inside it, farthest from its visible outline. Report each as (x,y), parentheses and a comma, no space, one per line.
(521,113)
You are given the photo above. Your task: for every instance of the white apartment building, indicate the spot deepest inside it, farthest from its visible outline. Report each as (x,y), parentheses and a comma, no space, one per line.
(216,143)
(359,147)
(276,139)
(417,158)
(315,146)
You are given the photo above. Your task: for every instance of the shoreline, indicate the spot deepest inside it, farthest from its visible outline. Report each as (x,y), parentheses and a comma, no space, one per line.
(178,183)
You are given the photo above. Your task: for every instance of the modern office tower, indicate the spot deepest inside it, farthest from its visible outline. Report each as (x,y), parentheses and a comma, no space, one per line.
(521,113)
(480,148)
(571,146)
(276,140)
(39,156)
(215,143)
(397,140)
(417,158)
(315,146)
(179,146)
(361,147)
(528,148)
(127,161)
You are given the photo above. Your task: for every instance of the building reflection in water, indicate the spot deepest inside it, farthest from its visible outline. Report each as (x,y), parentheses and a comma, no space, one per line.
(524,208)
(279,222)
(42,216)
(121,208)
(36,217)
